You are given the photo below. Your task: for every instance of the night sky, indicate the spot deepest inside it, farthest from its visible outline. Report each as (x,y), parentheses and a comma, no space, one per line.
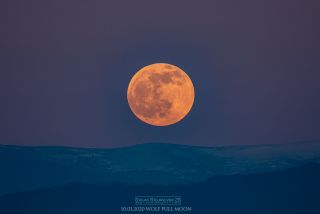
(65,66)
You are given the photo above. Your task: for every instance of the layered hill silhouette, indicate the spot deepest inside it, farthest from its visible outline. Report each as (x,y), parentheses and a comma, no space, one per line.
(30,168)
(294,191)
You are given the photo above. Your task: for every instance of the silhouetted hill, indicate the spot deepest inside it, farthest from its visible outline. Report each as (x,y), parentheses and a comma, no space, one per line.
(289,191)
(29,168)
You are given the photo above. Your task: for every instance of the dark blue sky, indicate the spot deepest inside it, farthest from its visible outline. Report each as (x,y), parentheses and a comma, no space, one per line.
(65,66)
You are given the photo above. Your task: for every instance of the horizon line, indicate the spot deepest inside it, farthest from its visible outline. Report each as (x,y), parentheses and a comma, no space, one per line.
(160,143)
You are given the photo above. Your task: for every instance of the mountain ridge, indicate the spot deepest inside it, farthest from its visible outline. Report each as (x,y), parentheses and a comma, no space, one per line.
(294,190)
(27,168)
(317,142)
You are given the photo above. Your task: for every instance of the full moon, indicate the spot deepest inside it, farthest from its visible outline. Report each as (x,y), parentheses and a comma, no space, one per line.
(160,94)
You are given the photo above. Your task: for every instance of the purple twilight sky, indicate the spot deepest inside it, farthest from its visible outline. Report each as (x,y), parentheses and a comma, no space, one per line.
(65,66)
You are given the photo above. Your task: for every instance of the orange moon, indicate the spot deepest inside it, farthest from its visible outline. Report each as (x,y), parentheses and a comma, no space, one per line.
(160,94)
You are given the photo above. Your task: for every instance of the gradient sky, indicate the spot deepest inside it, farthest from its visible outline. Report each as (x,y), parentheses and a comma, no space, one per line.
(65,66)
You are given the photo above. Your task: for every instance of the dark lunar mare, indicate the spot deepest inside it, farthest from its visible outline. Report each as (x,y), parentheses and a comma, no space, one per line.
(143,90)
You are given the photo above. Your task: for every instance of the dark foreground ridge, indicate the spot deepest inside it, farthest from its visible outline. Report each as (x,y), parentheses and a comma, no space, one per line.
(31,168)
(291,191)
